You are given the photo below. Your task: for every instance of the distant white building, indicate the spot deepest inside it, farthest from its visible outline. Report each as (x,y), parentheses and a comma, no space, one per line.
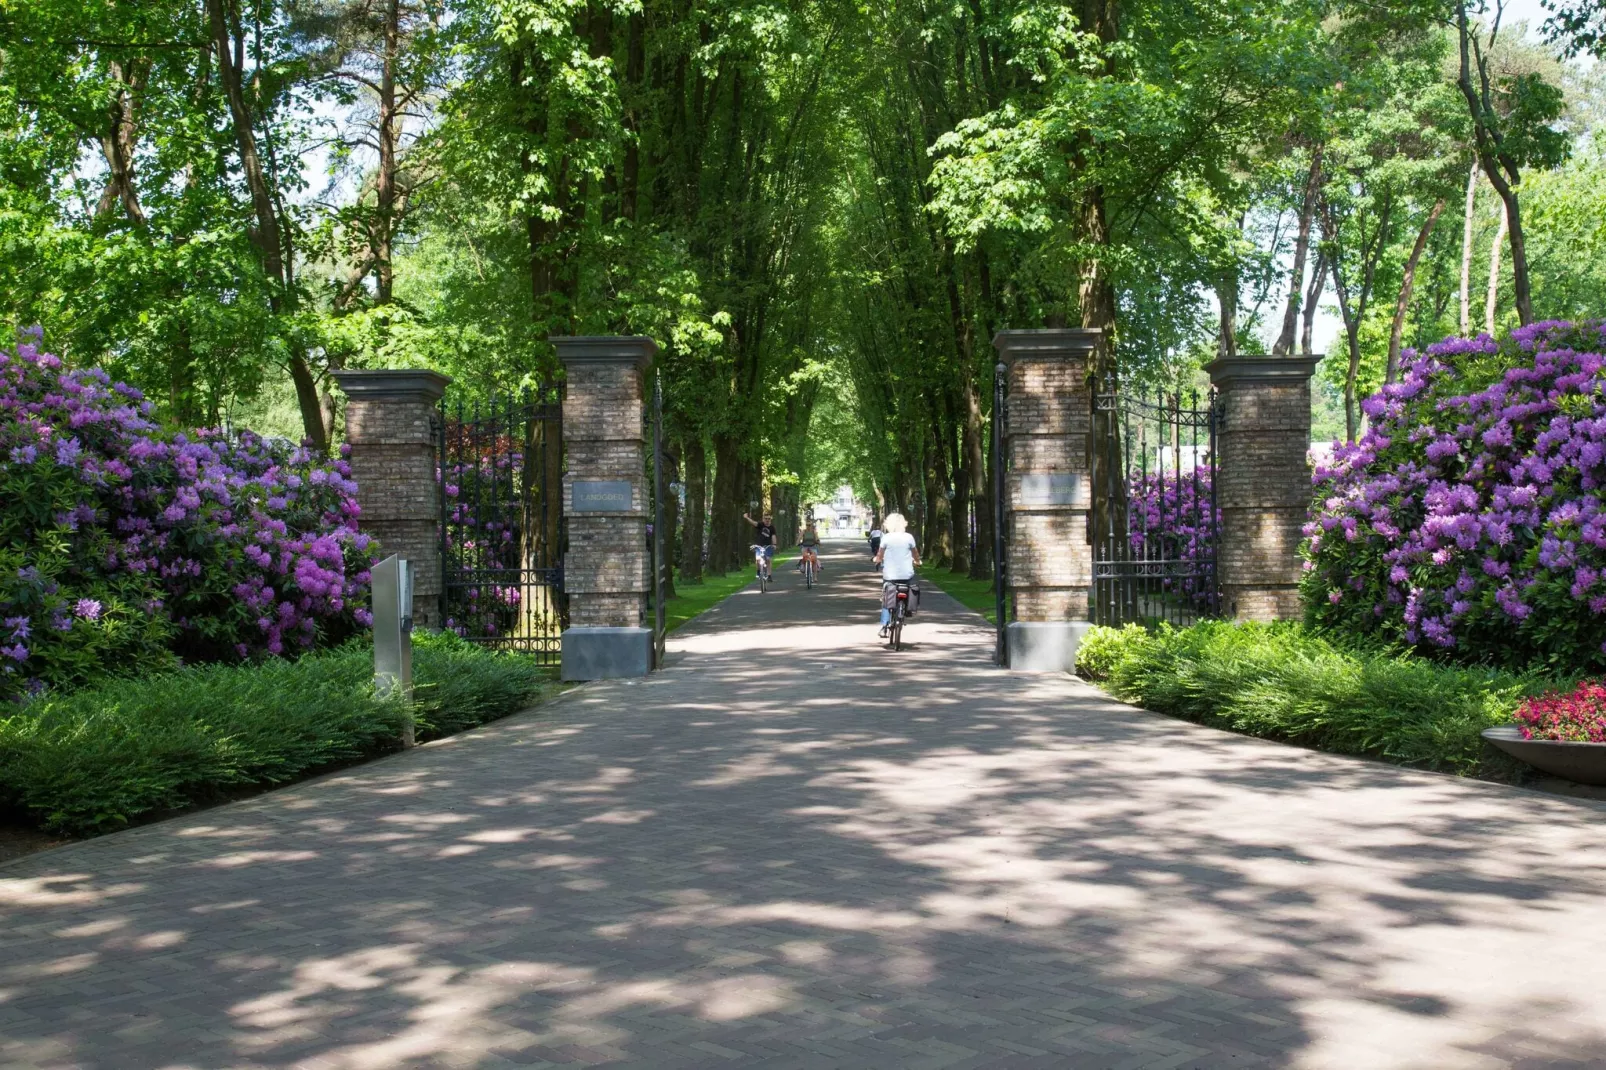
(844,513)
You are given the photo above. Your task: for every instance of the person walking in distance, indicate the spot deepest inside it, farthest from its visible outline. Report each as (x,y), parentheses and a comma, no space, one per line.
(898,557)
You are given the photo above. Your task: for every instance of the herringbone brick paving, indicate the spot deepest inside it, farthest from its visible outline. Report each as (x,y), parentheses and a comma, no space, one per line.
(794,849)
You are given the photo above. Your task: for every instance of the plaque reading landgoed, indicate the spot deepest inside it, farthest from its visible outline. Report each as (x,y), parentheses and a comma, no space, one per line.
(1049,488)
(601,496)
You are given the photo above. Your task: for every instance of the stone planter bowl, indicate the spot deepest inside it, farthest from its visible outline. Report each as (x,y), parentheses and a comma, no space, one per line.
(1582,763)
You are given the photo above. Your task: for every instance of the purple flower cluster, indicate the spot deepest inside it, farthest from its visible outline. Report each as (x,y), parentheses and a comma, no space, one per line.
(206,545)
(1470,519)
(481,537)
(1173,519)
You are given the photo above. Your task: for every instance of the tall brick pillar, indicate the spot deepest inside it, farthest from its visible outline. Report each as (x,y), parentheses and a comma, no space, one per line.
(1047,493)
(1263,484)
(605,503)
(390,427)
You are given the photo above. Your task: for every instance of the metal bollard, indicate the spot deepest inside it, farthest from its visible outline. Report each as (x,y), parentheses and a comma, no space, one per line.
(393,632)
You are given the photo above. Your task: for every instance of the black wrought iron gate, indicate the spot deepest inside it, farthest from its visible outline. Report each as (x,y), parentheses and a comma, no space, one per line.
(502,535)
(659,542)
(1155,519)
(1000,516)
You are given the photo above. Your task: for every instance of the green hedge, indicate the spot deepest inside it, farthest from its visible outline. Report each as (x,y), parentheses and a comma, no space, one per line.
(1281,681)
(94,760)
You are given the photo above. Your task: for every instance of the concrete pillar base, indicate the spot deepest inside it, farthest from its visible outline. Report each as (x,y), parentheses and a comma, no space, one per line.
(606,653)
(1044,645)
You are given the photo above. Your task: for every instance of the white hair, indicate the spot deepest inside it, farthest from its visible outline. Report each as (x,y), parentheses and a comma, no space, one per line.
(895,523)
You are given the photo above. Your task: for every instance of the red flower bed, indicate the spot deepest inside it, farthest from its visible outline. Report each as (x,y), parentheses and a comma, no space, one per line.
(1576,718)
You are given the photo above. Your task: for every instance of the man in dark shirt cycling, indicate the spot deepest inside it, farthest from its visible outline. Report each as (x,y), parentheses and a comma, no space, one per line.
(765,538)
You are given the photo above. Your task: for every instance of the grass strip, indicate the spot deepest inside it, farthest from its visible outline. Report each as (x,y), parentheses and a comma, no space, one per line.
(692,599)
(971,593)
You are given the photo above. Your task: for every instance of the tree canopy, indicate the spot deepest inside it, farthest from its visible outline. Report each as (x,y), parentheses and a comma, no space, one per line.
(823,210)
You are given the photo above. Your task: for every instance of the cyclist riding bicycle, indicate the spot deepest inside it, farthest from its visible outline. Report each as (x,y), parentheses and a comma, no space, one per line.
(810,541)
(764,538)
(898,556)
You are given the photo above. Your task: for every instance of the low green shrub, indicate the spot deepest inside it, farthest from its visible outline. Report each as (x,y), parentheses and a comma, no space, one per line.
(1102,647)
(93,760)
(457,685)
(1281,681)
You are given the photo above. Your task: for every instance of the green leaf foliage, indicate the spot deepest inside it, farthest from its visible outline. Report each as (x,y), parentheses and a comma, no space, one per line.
(94,760)
(1282,681)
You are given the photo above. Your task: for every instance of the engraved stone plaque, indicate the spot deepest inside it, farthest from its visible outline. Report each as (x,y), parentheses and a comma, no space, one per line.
(601,496)
(1050,488)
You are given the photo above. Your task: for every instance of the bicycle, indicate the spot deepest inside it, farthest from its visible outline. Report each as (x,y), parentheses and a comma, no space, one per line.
(900,609)
(808,571)
(761,566)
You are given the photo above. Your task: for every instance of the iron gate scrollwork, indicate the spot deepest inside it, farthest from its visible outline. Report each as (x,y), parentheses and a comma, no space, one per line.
(659,542)
(1155,522)
(1000,516)
(500,464)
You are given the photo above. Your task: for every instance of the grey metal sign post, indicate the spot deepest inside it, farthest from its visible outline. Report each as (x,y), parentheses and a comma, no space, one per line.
(393,631)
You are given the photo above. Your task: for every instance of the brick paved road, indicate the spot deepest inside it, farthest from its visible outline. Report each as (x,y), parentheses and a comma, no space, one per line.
(794,850)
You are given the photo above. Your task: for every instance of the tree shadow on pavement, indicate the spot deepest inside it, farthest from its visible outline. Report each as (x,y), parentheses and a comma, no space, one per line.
(792,848)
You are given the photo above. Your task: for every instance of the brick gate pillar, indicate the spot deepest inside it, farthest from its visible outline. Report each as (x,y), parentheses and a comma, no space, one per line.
(1263,486)
(605,503)
(390,427)
(1047,493)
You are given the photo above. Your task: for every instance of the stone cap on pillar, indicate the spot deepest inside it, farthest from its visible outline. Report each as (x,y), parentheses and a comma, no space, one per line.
(1053,343)
(582,350)
(412,384)
(1229,371)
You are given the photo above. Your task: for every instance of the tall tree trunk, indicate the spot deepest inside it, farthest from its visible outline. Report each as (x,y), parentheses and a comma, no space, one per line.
(691,539)
(120,141)
(1491,302)
(1498,164)
(1227,305)
(729,503)
(959,479)
(382,236)
(1355,316)
(940,543)
(1109,511)
(269,235)
(635,78)
(669,457)
(1402,306)
(1352,336)
(1296,275)
(1313,297)
(785,504)
(980,476)
(1466,251)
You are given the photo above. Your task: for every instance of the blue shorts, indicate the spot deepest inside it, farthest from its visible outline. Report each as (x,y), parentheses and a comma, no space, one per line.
(768,552)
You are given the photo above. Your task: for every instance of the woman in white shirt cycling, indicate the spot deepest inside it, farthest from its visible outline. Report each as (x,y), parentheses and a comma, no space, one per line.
(897,555)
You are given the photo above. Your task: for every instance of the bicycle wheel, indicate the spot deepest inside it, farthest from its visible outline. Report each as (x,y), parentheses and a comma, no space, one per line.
(897,631)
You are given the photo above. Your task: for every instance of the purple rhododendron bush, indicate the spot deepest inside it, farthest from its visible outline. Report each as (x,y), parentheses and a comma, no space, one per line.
(1470,520)
(1175,518)
(125,548)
